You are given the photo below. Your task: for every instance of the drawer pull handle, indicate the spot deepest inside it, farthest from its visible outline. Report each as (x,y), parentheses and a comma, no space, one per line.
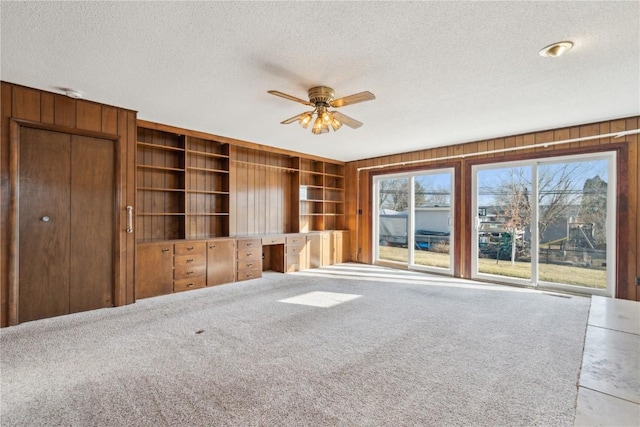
(249,255)
(249,265)
(190,260)
(165,249)
(212,246)
(190,248)
(249,244)
(190,285)
(249,274)
(190,272)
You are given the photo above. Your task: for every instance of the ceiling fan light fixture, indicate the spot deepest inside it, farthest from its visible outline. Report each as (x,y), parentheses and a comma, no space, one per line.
(306,119)
(322,98)
(556,49)
(317,126)
(335,123)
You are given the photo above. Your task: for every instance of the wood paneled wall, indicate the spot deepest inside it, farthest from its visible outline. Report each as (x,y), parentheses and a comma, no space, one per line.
(63,114)
(261,193)
(359,185)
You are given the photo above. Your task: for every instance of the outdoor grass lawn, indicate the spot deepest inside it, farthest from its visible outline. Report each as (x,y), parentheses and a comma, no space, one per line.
(580,276)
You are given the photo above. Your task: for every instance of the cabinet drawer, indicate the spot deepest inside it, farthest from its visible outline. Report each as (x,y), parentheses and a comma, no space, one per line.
(249,244)
(189,260)
(189,272)
(273,240)
(250,264)
(190,248)
(251,253)
(248,274)
(294,250)
(186,284)
(296,241)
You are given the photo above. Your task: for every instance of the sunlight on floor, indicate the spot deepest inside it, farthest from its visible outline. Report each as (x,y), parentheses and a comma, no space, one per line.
(320,299)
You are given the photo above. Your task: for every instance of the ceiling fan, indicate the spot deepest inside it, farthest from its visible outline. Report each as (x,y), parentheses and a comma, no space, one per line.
(321,98)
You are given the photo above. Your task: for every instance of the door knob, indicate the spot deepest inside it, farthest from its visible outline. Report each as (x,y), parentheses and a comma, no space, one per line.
(45,218)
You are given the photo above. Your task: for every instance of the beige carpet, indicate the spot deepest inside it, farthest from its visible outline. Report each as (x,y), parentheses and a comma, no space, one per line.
(401,349)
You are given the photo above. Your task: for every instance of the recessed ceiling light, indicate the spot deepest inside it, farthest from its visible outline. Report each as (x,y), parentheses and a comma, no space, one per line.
(556,49)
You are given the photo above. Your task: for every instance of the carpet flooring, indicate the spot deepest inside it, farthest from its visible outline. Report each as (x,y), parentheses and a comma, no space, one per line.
(401,348)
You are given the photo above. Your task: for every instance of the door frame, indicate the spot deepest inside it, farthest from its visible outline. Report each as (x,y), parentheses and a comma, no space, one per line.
(411,174)
(622,185)
(14,205)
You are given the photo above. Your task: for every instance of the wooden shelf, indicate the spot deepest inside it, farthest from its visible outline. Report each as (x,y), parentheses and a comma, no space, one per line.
(194,168)
(183,186)
(177,190)
(207,154)
(160,147)
(160,214)
(263,165)
(161,168)
(222,193)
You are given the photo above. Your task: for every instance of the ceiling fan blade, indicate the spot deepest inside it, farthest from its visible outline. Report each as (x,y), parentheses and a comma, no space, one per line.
(352,99)
(290,97)
(352,123)
(292,119)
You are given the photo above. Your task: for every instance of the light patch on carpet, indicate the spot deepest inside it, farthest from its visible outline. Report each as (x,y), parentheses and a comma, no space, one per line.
(320,299)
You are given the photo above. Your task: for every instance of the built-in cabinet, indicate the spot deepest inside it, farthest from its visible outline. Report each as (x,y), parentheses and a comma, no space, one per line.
(221,261)
(211,210)
(249,259)
(175,266)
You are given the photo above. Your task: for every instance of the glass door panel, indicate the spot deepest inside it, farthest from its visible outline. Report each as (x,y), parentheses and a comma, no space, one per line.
(503,232)
(393,198)
(547,223)
(572,222)
(433,219)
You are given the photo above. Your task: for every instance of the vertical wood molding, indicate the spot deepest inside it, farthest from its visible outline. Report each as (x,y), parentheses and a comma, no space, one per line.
(13,234)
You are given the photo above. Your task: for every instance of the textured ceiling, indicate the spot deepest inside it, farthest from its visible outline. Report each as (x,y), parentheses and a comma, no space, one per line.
(443,72)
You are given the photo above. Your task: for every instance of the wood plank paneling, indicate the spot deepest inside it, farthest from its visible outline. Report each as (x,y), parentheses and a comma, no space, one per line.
(56,112)
(88,115)
(26,104)
(65,111)
(362,239)
(47,108)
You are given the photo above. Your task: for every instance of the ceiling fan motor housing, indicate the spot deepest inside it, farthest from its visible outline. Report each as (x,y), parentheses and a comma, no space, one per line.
(321,94)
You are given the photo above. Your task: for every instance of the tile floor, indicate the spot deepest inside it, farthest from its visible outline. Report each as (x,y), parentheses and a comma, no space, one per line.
(609,385)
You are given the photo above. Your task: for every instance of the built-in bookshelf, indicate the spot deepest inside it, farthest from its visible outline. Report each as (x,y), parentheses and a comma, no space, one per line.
(192,186)
(182,187)
(321,196)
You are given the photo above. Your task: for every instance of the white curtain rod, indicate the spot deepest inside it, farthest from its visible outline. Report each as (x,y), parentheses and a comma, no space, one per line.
(504,150)
(462,156)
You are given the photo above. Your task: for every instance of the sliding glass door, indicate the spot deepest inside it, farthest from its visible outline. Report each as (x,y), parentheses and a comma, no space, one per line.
(547,222)
(413,221)
(393,218)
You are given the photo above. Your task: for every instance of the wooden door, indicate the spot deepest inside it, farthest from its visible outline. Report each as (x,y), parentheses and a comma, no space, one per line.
(44,225)
(91,276)
(66,224)
(221,261)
